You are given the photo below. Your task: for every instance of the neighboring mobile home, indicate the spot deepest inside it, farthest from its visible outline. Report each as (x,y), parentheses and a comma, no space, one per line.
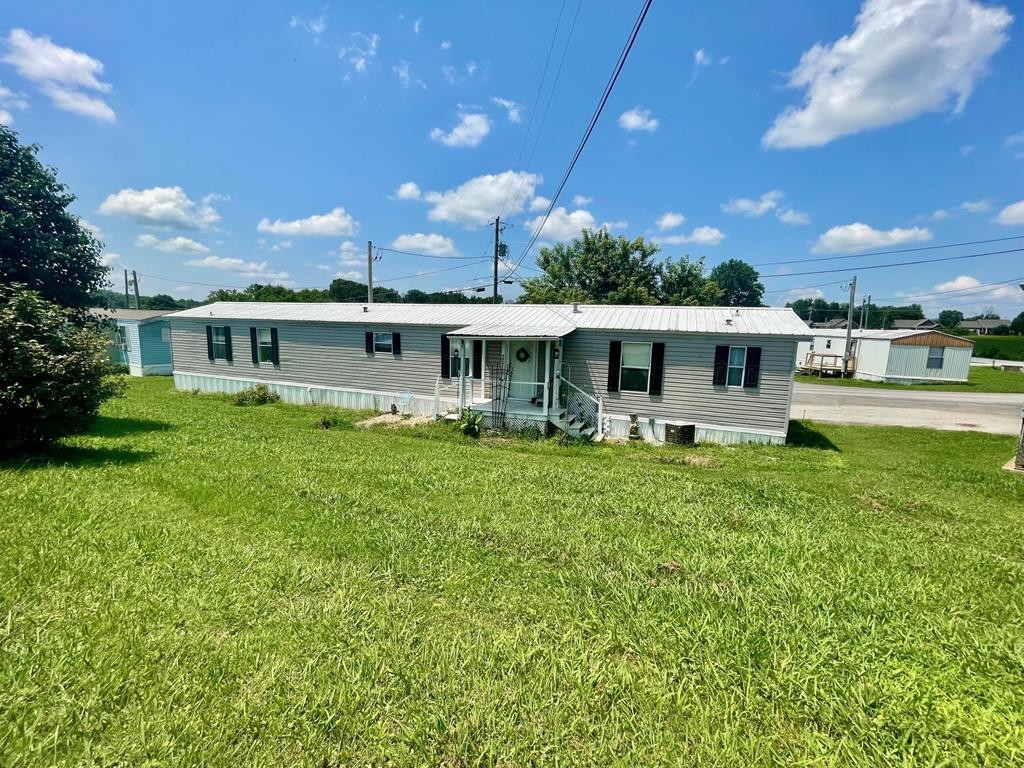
(140,340)
(898,357)
(584,367)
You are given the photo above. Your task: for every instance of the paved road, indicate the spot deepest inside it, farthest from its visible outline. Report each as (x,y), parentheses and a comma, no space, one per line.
(995,413)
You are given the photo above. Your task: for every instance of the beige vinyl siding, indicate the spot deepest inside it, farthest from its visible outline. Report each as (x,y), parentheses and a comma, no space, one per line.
(323,354)
(689,393)
(911,363)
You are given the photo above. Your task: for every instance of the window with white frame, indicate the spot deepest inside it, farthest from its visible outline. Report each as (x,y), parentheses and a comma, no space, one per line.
(220,343)
(122,337)
(165,334)
(935,357)
(383,342)
(635,369)
(458,360)
(737,363)
(264,345)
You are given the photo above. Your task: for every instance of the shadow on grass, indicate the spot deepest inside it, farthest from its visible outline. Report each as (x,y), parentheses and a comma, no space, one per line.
(109,426)
(74,456)
(802,436)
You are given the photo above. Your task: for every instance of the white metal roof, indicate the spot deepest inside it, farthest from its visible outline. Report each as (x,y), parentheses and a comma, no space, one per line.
(513,331)
(130,314)
(887,335)
(772,321)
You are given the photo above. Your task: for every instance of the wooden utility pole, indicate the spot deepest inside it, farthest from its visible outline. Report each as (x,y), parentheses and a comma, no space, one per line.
(497,237)
(135,282)
(867,312)
(849,326)
(127,297)
(369,271)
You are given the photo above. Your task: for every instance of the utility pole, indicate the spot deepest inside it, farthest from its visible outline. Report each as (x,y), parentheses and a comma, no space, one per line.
(863,306)
(127,298)
(369,271)
(849,326)
(497,240)
(135,282)
(867,313)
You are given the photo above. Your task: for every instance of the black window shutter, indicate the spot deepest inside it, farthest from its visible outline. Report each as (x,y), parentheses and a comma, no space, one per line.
(614,362)
(446,357)
(657,367)
(229,354)
(396,343)
(255,344)
(721,365)
(752,374)
(478,362)
(275,353)
(209,341)
(369,342)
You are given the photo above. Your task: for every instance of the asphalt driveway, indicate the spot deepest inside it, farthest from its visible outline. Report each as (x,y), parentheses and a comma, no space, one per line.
(996,413)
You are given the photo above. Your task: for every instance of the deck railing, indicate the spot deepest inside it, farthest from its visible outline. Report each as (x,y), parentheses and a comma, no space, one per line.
(587,409)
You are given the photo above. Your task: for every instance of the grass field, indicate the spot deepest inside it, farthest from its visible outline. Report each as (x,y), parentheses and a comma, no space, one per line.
(1005,347)
(980,379)
(195,583)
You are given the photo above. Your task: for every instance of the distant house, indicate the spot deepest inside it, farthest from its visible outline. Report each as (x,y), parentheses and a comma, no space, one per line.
(915,325)
(725,372)
(839,322)
(982,326)
(140,340)
(894,356)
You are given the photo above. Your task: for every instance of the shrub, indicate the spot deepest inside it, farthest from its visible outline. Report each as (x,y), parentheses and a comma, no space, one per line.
(260,394)
(54,371)
(471,423)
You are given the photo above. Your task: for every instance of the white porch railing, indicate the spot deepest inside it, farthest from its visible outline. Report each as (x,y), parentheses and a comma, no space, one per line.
(587,409)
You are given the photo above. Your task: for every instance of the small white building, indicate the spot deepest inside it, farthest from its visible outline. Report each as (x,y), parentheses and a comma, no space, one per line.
(897,357)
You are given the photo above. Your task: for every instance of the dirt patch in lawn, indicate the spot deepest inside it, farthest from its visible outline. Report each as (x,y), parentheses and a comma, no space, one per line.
(394,420)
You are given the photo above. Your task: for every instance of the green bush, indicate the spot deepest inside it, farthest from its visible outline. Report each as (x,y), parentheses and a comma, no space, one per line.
(260,394)
(54,371)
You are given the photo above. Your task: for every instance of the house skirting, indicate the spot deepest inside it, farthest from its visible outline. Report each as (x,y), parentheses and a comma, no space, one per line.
(149,370)
(652,429)
(889,379)
(420,404)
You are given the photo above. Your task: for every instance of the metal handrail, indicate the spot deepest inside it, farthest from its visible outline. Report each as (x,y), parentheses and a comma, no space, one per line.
(584,406)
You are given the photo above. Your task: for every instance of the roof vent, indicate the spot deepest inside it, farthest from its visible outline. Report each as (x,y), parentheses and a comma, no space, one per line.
(728,321)
(365,308)
(575,307)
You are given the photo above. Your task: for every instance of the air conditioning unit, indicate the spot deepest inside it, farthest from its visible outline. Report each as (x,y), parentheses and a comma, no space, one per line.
(679,433)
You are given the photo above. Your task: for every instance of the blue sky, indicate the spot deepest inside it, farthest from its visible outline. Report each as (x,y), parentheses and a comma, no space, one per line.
(218,145)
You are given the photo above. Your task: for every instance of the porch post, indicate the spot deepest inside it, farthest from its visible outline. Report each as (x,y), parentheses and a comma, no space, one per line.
(547,375)
(557,384)
(483,370)
(462,374)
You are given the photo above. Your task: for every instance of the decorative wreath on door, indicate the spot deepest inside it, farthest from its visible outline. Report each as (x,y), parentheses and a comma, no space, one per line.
(523,354)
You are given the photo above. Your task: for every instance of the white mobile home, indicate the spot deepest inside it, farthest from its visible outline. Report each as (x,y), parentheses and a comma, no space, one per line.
(727,372)
(898,357)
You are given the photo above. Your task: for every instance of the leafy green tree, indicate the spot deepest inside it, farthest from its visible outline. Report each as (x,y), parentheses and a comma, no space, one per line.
(416,296)
(948,318)
(54,372)
(42,245)
(740,283)
(1017,324)
(683,283)
(596,268)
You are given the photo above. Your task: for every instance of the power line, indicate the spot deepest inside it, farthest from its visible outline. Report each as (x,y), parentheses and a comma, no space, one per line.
(430,272)
(421,255)
(967,291)
(590,129)
(897,264)
(886,253)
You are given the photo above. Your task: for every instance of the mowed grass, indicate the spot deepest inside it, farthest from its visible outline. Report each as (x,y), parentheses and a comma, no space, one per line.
(1006,347)
(979,379)
(195,583)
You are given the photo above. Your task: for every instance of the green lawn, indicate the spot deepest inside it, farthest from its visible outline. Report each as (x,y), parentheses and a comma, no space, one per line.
(980,379)
(195,583)
(1005,347)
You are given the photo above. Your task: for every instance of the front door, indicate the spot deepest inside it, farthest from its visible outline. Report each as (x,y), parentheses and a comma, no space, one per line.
(522,358)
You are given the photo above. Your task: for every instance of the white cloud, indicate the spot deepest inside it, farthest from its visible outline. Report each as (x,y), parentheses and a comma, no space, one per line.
(539,203)
(562,224)
(470,131)
(903,58)
(6,118)
(966,150)
(767,202)
(580,200)
(10,100)
(611,226)
(1014,139)
(161,207)
(243,268)
(670,220)
(432,245)
(336,222)
(940,215)
(790,216)
(638,119)
(701,58)
(416,25)
(361,51)
(349,254)
(700,235)
(471,68)
(475,201)
(315,27)
(171,244)
(95,230)
(798,293)
(967,282)
(403,72)
(109,259)
(1012,215)
(60,73)
(976,206)
(851,238)
(409,190)
(351,274)
(512,108)
(446,45)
